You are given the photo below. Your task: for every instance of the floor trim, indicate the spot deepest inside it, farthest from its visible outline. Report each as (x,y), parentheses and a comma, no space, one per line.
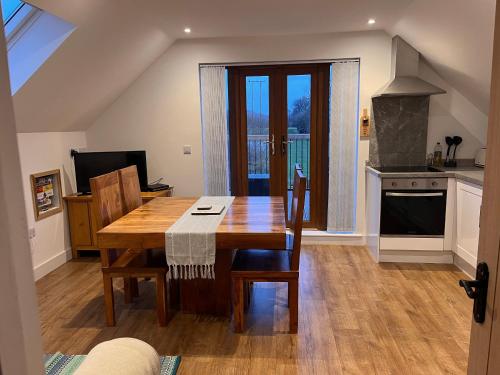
(405,256)
(318,237)
(464,266)
(51,264)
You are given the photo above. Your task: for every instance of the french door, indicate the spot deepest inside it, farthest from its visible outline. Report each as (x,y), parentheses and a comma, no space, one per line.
(278,117)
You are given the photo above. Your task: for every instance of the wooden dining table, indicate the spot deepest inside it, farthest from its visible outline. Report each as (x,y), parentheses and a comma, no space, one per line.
(250,222)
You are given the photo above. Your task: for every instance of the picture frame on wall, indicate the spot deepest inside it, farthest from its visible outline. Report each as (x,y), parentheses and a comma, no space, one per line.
(46,193)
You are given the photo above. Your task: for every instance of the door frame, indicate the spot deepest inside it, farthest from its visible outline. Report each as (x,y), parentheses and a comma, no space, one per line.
(485,337)
(320,96)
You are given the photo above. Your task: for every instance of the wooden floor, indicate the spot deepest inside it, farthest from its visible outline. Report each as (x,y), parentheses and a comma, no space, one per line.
(355,317)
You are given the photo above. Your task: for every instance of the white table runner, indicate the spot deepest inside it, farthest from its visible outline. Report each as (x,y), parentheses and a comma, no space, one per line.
(190,242)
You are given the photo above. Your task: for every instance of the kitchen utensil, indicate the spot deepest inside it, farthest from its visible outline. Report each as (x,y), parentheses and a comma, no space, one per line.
(457,141)
(449,142)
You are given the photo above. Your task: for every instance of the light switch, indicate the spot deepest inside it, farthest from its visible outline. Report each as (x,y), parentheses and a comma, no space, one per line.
(187,149)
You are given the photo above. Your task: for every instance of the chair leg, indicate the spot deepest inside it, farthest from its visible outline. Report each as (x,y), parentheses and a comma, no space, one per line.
(127,290)
(161,299)
(288,300)
(293,303)
(109,303)
(238,305)
(134,285)
(174,294)
(246,294)
(149,259)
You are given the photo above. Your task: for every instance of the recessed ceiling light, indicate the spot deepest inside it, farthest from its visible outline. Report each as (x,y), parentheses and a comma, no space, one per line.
(187,30)
(371,21)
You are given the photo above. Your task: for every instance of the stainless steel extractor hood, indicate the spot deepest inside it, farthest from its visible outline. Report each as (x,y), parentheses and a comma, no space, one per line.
(404,73)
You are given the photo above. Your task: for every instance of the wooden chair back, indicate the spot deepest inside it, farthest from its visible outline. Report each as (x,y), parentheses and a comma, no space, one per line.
(130,188)
(107,198)
(297,216)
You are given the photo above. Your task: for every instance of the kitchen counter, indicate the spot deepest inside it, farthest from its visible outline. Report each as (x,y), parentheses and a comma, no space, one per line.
(473,175)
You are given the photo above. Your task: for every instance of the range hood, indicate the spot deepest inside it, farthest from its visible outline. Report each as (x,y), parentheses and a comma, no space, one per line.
(404,73)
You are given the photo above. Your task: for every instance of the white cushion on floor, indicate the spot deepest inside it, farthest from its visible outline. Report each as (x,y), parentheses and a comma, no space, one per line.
(124,356)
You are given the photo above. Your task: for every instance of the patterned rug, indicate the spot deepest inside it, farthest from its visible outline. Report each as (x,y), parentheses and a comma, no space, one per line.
(60,364)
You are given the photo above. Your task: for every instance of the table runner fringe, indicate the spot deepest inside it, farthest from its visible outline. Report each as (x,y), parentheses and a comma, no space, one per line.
(192,271)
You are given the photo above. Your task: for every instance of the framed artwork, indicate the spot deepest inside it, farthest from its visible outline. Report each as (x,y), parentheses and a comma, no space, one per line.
(47,193)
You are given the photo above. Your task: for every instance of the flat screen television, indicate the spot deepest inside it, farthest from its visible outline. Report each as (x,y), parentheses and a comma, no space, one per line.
(92,164)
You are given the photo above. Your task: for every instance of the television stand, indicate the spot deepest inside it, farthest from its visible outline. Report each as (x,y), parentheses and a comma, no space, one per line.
(82,223)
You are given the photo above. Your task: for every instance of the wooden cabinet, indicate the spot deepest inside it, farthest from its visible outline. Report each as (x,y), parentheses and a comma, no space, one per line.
(469,199)
(82,225)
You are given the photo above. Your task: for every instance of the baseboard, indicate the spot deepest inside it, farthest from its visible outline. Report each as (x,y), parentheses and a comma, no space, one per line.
(464,266)
(318,237)
(404,256)
(51,264)
(466,256)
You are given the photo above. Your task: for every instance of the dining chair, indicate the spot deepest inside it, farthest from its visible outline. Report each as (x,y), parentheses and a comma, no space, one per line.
(126,263)
(131,198)
(258,265)
(130,188)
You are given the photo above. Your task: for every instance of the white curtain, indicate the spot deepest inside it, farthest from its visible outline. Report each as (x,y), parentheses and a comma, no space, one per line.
(344,104)
(214,130)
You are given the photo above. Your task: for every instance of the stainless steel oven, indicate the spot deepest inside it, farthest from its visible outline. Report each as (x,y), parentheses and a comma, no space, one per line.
(414,207)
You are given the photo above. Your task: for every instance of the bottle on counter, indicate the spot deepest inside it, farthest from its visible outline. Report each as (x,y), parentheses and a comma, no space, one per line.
(438,155)
(430,159)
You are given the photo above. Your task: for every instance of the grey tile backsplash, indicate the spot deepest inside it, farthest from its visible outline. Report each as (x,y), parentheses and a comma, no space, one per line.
(399,133)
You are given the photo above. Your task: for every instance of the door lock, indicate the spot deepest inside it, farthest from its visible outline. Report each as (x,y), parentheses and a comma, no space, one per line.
(478,291)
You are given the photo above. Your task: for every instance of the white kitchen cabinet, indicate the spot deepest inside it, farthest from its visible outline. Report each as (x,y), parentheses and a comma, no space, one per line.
(468,208)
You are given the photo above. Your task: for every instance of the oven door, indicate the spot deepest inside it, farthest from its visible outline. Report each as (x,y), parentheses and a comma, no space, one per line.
(413,213)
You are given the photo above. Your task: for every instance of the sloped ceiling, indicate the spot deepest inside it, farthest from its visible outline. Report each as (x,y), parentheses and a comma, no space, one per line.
(116,40)
(456,38)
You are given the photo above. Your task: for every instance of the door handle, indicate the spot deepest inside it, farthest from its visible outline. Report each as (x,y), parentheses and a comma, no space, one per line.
(389,194)
(284,144)
(478,291)
(271,142)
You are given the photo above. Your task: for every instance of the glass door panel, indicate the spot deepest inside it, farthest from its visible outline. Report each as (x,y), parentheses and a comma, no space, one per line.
(279,117)
(260,145)
(298,139)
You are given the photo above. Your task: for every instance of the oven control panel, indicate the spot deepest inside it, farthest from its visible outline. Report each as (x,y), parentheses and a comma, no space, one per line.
(414,183)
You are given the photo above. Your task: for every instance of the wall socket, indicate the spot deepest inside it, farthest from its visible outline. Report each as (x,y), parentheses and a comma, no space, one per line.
(31,233)
(187,149)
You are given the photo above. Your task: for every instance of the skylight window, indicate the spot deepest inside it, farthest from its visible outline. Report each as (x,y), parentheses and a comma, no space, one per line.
(32,35)
(15,15)
(9,9)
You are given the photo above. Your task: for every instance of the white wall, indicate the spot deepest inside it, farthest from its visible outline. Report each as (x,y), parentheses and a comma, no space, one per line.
(41,152)
(453,114)
(160,112)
